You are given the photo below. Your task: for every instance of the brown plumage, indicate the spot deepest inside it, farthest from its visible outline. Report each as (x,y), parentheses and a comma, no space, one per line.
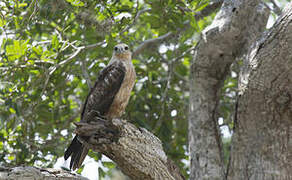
(109,97)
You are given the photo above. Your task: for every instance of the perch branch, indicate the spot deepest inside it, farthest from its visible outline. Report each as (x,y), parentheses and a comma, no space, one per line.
(136,151)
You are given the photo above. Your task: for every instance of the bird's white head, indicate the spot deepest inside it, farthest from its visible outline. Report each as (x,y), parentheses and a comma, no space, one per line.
(122,51)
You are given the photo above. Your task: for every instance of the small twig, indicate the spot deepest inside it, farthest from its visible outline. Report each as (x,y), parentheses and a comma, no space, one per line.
(94,45)
(34,10)
(20,66)
(85,74)
(33,3)
(44,62)
(267,6)
(79,49)
(183,54)
(135,19)
(67,44)
(45,84)
(151,42)
(276,8)
(185,8)
(208,10)
(185,80)
(66,60)
(1,15)
(44,42)
(160,120)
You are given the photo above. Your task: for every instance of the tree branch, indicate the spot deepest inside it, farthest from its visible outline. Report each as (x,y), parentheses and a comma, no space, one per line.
(85,74)
(136,151)
(276,8)
(151,42)
(90,46)
(208,10)
(37,173)
(163,99)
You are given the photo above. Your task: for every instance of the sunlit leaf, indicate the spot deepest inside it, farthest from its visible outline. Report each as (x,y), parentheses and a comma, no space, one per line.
(76,2)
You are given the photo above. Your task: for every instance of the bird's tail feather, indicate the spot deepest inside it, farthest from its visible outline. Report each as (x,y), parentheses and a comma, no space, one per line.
(77,152)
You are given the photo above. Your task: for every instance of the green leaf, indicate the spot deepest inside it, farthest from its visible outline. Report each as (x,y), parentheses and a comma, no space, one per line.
(101,173)
(109,165)
(36,72)
(76,3)
(2,22)
(55,42)
(11,158)
(20,5)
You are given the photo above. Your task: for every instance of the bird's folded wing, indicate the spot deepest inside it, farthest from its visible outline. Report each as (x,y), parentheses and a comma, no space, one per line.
(106,87)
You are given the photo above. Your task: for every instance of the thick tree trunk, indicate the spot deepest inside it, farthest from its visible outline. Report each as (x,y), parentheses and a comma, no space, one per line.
(235,26)
(262,143)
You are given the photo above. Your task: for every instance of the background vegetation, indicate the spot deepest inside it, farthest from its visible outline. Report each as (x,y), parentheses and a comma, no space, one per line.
(52,50)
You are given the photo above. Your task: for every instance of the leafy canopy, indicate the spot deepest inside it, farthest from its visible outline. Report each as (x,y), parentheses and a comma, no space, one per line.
(52,49)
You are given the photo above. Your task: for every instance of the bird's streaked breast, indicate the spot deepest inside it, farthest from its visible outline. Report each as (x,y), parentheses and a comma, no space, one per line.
(122,97)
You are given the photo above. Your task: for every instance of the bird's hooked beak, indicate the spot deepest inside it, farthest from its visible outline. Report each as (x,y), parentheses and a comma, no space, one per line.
(119,50)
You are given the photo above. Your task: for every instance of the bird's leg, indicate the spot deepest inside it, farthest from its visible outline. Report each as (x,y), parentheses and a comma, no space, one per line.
(109,129)
(100,117)
(99,129)
(91,122)
(95,117)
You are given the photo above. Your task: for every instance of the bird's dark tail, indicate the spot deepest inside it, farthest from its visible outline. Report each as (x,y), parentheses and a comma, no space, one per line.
(77,152)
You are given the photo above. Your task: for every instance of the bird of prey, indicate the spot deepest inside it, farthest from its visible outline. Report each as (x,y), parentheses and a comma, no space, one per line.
(109,97)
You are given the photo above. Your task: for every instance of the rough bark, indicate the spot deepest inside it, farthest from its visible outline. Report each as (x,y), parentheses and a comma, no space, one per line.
(137,152)
(26,173)
(235,26)
(262,143)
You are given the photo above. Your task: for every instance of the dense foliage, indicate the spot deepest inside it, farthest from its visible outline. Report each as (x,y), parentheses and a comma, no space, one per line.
(52,51)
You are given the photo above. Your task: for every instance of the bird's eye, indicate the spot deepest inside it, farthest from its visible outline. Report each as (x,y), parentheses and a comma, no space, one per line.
(116,48)
(126,48)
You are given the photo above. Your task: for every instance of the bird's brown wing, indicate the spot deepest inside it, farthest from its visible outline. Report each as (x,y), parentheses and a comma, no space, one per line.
(99,100)
(106,87)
